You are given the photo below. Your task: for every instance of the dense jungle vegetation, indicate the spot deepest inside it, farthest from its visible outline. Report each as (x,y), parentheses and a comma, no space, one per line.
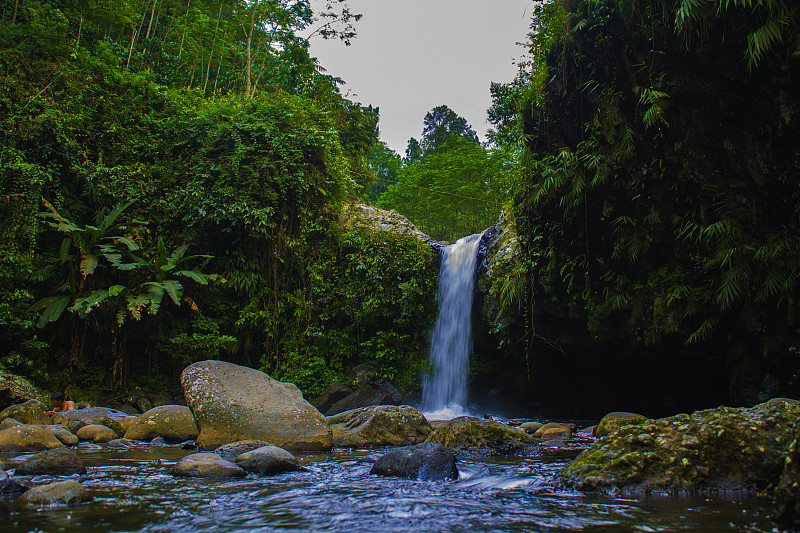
(172,174)
(658,201)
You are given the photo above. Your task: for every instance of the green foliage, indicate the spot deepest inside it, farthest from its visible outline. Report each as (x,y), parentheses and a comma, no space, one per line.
(140,122)
(369,298)
(628,209)
(450,193)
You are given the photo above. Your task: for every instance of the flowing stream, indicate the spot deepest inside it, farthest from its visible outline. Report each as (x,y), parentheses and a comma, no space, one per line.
(444,390)
(134,490)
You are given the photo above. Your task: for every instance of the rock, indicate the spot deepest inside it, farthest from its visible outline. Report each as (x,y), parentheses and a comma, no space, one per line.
(553,431)
(235,449)
(66,437)
(332,394)
(381,425)
(530,427)
(144,404)
(128,408)
(158,441)
(174,423)
(710,451)
(16,389)
(10,423)
(10,488)
(121,443)
(267,461)
(127,422)
(104,416)
(55,462)
(232,403)
(427,461)
(162,398)
(613,421)
(30,412)
(61,493)
(787,493)
(206,465)
(96,433)
(28,439)
(485,437)
(382,393)
(358,215)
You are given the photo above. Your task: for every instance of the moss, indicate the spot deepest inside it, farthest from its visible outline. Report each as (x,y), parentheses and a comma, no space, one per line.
(717,448)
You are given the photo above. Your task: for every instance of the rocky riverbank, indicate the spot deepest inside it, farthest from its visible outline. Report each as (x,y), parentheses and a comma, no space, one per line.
(240,422)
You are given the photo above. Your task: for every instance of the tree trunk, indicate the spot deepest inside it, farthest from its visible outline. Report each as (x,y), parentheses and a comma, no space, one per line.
(130,51)
(185,23)
(80,27)
(213,42)
(249,60)
(150,24)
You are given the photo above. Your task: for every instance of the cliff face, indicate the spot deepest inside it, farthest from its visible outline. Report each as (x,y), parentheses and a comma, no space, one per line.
(658,221)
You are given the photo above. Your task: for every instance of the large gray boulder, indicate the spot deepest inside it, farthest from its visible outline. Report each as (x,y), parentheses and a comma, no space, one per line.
(232,403)
(30,412)
(427,461)
(55,462)
(28,439)
(380,425)
(173,423)
(706,452)
(61,493)
(206,465)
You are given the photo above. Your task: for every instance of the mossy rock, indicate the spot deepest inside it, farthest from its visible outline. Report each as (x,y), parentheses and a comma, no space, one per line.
(468,435)
(16,389)
(552,431)
(613,421)
(723,450)
(30,412)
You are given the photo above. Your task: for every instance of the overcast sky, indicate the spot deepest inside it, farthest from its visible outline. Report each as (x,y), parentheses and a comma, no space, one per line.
(413,55)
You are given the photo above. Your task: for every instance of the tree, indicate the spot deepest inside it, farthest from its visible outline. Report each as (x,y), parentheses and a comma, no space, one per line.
(441,126)
(413,151)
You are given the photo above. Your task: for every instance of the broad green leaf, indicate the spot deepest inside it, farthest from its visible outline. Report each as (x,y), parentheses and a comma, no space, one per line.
(193,274)
(88,264)
(114,290)
(130,243)
(83,306)
(53,308)
(174,289)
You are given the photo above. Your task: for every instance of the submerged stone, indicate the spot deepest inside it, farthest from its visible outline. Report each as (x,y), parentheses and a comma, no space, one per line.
(206,465)
(267,461)
(56,462)
(61,493)
(427,461)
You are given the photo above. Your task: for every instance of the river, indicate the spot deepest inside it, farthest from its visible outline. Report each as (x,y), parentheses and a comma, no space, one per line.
(134,490)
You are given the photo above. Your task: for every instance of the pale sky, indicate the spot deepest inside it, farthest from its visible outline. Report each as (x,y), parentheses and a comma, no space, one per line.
(412,55)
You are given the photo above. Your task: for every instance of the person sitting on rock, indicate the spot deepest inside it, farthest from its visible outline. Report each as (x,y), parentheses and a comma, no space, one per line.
(60,403)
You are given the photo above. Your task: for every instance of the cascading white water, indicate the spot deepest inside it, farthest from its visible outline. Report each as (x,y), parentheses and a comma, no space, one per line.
(444,390)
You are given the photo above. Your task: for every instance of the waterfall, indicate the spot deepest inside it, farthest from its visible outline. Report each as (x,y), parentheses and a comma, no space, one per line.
(444,390)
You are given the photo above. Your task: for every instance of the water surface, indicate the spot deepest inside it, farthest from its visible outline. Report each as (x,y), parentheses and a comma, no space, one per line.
(135,491)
